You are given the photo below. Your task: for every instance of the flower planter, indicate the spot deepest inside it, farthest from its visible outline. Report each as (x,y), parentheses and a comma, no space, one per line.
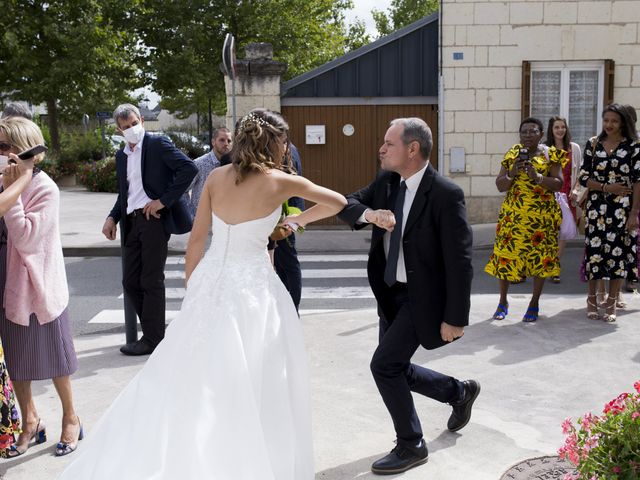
(67,181)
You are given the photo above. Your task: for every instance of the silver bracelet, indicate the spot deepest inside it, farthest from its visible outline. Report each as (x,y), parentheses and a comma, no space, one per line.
(539,178)
(506,175)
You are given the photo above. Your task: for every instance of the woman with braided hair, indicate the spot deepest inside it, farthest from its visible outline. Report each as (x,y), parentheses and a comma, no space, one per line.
(226,394)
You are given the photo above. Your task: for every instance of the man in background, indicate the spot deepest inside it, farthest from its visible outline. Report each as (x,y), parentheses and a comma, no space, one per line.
(152,177)
(220,145)
(15,109)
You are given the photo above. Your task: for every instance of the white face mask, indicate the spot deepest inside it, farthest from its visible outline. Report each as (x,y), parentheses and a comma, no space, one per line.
(4,161)
(134,135)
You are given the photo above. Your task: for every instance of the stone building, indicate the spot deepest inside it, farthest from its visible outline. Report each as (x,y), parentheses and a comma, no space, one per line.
(504,60)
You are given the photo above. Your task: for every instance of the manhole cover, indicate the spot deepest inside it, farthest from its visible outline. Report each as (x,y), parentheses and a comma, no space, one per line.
(540,468)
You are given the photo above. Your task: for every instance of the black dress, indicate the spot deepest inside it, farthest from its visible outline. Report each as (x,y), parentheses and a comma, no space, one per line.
(610,251)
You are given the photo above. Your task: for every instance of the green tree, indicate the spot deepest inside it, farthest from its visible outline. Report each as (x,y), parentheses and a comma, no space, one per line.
(357,36)
(76,56)
(185,43)
(402,13)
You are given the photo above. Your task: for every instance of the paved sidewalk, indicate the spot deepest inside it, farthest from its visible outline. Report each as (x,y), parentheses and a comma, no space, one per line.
(83,213)
(532,376)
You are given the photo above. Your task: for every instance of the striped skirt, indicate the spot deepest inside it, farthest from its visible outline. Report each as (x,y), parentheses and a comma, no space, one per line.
(36,352)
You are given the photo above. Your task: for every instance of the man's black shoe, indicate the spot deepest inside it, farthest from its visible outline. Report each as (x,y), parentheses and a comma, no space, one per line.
(462,412)
(401,459)
(138,348)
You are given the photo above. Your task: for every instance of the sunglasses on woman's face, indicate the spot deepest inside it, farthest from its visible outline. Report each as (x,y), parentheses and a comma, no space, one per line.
(5,147)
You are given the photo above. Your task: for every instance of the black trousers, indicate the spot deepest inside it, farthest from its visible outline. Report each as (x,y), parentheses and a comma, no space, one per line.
(396,377)
(288,267)
(145,255)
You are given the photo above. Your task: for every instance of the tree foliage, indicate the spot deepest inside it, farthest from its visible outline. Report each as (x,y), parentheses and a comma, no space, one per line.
(185,43)
(402,13)
(357,36)
(77,56)
(81,56)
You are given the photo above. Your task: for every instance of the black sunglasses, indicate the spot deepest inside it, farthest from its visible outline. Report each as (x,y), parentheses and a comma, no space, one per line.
(4,146)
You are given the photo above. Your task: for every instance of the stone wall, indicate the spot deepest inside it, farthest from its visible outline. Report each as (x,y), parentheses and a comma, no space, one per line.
(257,82)
(482,91)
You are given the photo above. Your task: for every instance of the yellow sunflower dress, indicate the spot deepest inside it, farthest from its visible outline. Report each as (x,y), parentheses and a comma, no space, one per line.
(9,418)
(526,243)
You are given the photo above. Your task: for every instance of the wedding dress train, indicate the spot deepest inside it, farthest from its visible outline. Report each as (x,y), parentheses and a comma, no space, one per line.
(225,396)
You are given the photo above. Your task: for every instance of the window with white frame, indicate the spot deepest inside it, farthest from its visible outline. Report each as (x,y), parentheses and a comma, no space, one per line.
(574,90)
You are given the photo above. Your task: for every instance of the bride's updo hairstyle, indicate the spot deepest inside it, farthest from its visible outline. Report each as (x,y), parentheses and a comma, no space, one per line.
(256,146)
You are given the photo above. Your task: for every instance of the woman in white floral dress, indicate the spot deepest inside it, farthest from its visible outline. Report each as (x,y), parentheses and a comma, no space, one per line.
(611,171)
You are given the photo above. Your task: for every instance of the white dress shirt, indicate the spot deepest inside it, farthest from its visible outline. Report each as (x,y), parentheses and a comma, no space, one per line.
(136,198)
(413,182)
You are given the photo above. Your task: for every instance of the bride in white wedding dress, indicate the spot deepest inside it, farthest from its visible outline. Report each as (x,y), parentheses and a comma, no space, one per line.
(225,396)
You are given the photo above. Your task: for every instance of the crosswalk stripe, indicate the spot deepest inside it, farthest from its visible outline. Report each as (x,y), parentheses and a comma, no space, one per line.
(334,273)
(175,260)
(177,293)
(171,293)
(337,257)
(117,316)
(333,258)
(174,274)
(336,292)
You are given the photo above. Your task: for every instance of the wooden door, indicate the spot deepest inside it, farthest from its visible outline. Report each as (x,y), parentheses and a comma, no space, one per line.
(347,163)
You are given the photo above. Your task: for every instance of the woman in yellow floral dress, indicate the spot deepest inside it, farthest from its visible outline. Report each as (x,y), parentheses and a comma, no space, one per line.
(526,243)
(9,418)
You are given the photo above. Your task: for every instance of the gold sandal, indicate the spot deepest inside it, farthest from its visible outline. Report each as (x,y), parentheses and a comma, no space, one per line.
(620,303)
(609,317)
(601,299)
(592,315)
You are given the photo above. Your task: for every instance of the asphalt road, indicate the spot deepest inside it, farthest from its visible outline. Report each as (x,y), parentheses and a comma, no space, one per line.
(331,282)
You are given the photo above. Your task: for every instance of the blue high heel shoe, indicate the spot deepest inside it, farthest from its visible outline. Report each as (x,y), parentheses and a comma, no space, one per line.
(40,436)
(531,315)
(64,448)
(501,311)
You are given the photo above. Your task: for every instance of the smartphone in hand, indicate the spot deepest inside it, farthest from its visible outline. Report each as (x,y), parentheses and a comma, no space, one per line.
(524,155)
(32,152)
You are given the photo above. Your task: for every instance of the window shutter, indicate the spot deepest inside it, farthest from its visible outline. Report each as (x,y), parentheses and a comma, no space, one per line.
(609,69)
(526,89)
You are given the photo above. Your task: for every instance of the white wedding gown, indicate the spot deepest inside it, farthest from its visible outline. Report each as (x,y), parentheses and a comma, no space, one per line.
(225,396)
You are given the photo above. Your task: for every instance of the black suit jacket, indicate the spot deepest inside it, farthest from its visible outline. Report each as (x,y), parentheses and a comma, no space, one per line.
(166,175)
(437,244)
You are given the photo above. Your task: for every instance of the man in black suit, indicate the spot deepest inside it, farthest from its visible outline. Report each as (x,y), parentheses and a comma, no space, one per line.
(285,254)
(420,272)
(152,178)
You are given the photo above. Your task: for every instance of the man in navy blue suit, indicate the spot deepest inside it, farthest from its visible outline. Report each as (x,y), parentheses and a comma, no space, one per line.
(152,178)
(285,256)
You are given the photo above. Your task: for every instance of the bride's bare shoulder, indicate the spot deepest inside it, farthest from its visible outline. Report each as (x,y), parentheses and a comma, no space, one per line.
(220,173)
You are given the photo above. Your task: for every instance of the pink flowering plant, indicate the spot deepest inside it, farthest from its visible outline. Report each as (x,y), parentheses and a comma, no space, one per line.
(605,447)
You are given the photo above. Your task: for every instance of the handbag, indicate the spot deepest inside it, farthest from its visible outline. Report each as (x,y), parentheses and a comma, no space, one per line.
(568,230)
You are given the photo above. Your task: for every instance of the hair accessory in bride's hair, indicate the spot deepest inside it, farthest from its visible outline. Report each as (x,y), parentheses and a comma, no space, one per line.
(252,118)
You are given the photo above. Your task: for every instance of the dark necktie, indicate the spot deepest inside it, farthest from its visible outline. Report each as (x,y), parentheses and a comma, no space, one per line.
(396,236)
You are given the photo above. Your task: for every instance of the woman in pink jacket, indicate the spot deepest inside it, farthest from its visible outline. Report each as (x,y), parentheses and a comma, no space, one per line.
(14,180)
(34,321)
